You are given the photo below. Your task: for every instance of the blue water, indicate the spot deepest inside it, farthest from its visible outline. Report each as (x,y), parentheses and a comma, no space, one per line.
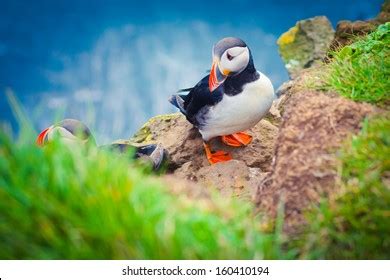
(113,64)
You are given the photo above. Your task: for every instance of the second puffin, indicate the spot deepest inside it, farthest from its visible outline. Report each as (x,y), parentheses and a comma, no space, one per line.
(231,99)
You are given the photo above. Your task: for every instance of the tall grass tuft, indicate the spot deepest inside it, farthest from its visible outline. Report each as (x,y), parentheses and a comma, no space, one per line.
(361,71)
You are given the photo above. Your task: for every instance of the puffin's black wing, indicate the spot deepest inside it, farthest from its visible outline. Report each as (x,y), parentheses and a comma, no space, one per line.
(185,90)
(196,102)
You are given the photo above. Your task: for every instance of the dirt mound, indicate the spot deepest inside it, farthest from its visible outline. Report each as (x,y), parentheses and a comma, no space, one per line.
(314,126)
(187,159)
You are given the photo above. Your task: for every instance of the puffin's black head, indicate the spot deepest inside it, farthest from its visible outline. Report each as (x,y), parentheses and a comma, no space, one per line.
(230,57)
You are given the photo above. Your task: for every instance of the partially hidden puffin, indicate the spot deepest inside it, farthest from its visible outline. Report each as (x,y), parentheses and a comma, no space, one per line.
(70,131)
(73,131)
(231,99)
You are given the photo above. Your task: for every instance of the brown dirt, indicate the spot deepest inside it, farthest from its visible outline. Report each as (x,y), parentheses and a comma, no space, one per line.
(314,126)
(232,178)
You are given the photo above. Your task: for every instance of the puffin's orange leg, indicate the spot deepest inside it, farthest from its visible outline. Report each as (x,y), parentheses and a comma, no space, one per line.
(237,139)
(218,156)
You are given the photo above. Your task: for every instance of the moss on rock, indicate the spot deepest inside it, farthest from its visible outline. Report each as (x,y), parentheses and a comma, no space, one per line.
(305,44)
(145,133)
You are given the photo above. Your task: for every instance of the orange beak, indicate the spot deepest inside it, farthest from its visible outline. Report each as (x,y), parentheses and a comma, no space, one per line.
(41,137)
(216,78)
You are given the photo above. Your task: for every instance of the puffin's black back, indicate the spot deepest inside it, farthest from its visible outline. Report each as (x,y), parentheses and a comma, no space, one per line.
(199,97)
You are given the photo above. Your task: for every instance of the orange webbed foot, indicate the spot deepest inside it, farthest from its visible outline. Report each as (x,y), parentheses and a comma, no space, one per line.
(217,156)
(238,139)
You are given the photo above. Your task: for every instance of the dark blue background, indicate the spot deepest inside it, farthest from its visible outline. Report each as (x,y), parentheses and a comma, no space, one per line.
(113,64)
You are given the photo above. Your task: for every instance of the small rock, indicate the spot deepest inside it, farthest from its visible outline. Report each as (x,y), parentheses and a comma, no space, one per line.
(284,88)
(274,115)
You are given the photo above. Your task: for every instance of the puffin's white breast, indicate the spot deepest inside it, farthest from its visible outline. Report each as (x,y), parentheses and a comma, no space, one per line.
(239,112)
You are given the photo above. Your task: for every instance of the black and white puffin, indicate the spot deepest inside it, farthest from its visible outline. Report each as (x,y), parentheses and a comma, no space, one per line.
(70,130)
(231,99)
(74,131)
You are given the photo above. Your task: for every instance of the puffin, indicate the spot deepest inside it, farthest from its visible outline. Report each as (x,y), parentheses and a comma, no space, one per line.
(73,131)
(231,99)
(70,130)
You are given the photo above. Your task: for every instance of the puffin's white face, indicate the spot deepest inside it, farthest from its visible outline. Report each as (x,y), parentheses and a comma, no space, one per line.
(230,57)
(234,60)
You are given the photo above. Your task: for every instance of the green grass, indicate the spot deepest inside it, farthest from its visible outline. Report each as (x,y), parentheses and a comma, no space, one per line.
(74,203)
(361,71)
(355,223)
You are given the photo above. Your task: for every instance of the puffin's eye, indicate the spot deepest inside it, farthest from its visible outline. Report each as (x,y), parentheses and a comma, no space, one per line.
(230,57)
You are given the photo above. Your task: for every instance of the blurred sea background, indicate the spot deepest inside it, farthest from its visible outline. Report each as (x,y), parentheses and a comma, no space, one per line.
(113,64)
